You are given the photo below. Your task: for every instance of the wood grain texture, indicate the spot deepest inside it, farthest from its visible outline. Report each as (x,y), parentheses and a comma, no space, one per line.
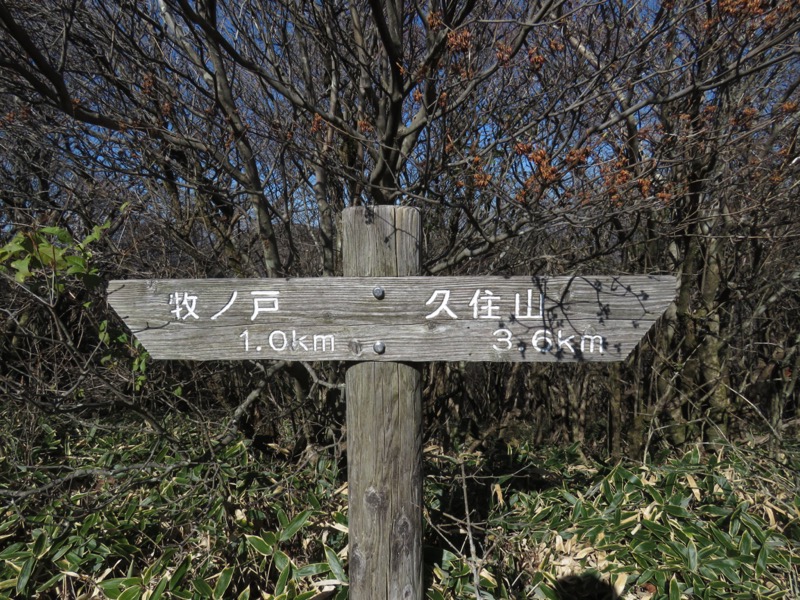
(384,426)
(619,309)
(384,454)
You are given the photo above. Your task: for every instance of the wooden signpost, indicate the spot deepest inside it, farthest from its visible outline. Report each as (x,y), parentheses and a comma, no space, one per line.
(385,318)
(415,319)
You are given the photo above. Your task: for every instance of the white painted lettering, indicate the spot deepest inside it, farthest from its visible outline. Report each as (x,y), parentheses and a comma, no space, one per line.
(592,339)
(504,336)
(264,302)
(528,312)
(298,342)
(272,345)
(183,301)
(565,343)
(227,306)
(483,307)
(279,342)
(542,340)
(443,306)
(323,341)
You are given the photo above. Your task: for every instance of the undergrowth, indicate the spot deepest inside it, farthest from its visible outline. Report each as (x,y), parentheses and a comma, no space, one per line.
(132,519)
(723,525)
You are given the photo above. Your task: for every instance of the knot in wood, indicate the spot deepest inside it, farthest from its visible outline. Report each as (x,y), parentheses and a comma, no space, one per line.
(403,528)
(357,565)
(374,500)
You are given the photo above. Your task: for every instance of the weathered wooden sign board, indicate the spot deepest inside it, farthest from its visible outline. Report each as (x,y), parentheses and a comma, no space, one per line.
(411,319)
(382,316)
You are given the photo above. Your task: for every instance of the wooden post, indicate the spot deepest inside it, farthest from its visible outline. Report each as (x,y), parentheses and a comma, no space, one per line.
(384,424)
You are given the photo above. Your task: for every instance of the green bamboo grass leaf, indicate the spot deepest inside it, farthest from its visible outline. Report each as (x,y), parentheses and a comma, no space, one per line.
(570,498)
(607,492)
(746,544)
(715,511)
(645,577)
(548,592)
(282,560)
(335,565)
(270,537)
(677,511)
(669,483)
(295,525)
(222,583)
(761,560)
(159,591)
(311,570)
(25,575)
(202,588)
(50,582)
(756,527)
(542,514)
(282,518)
(116,584)
(674,589)
(434,594)
(691,556)
(179,573)
(722,538)
(728,567)
(658,529)
(259,545)
(132,593)
(283,578)
(39,544)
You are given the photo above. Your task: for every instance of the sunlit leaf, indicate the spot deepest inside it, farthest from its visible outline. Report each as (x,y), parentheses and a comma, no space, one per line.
(295,525)
(674,590)
(335,565)
(283,578)
(761,560)
(203,588)
(222,583)
(160,588)
(22,268)
(259,545)
(311,570)
(691,556)
(177,576)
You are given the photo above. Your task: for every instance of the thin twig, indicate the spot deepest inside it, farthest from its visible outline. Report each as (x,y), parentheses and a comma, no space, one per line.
(238,413)
(94,473)
(473,555)
(321,382)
